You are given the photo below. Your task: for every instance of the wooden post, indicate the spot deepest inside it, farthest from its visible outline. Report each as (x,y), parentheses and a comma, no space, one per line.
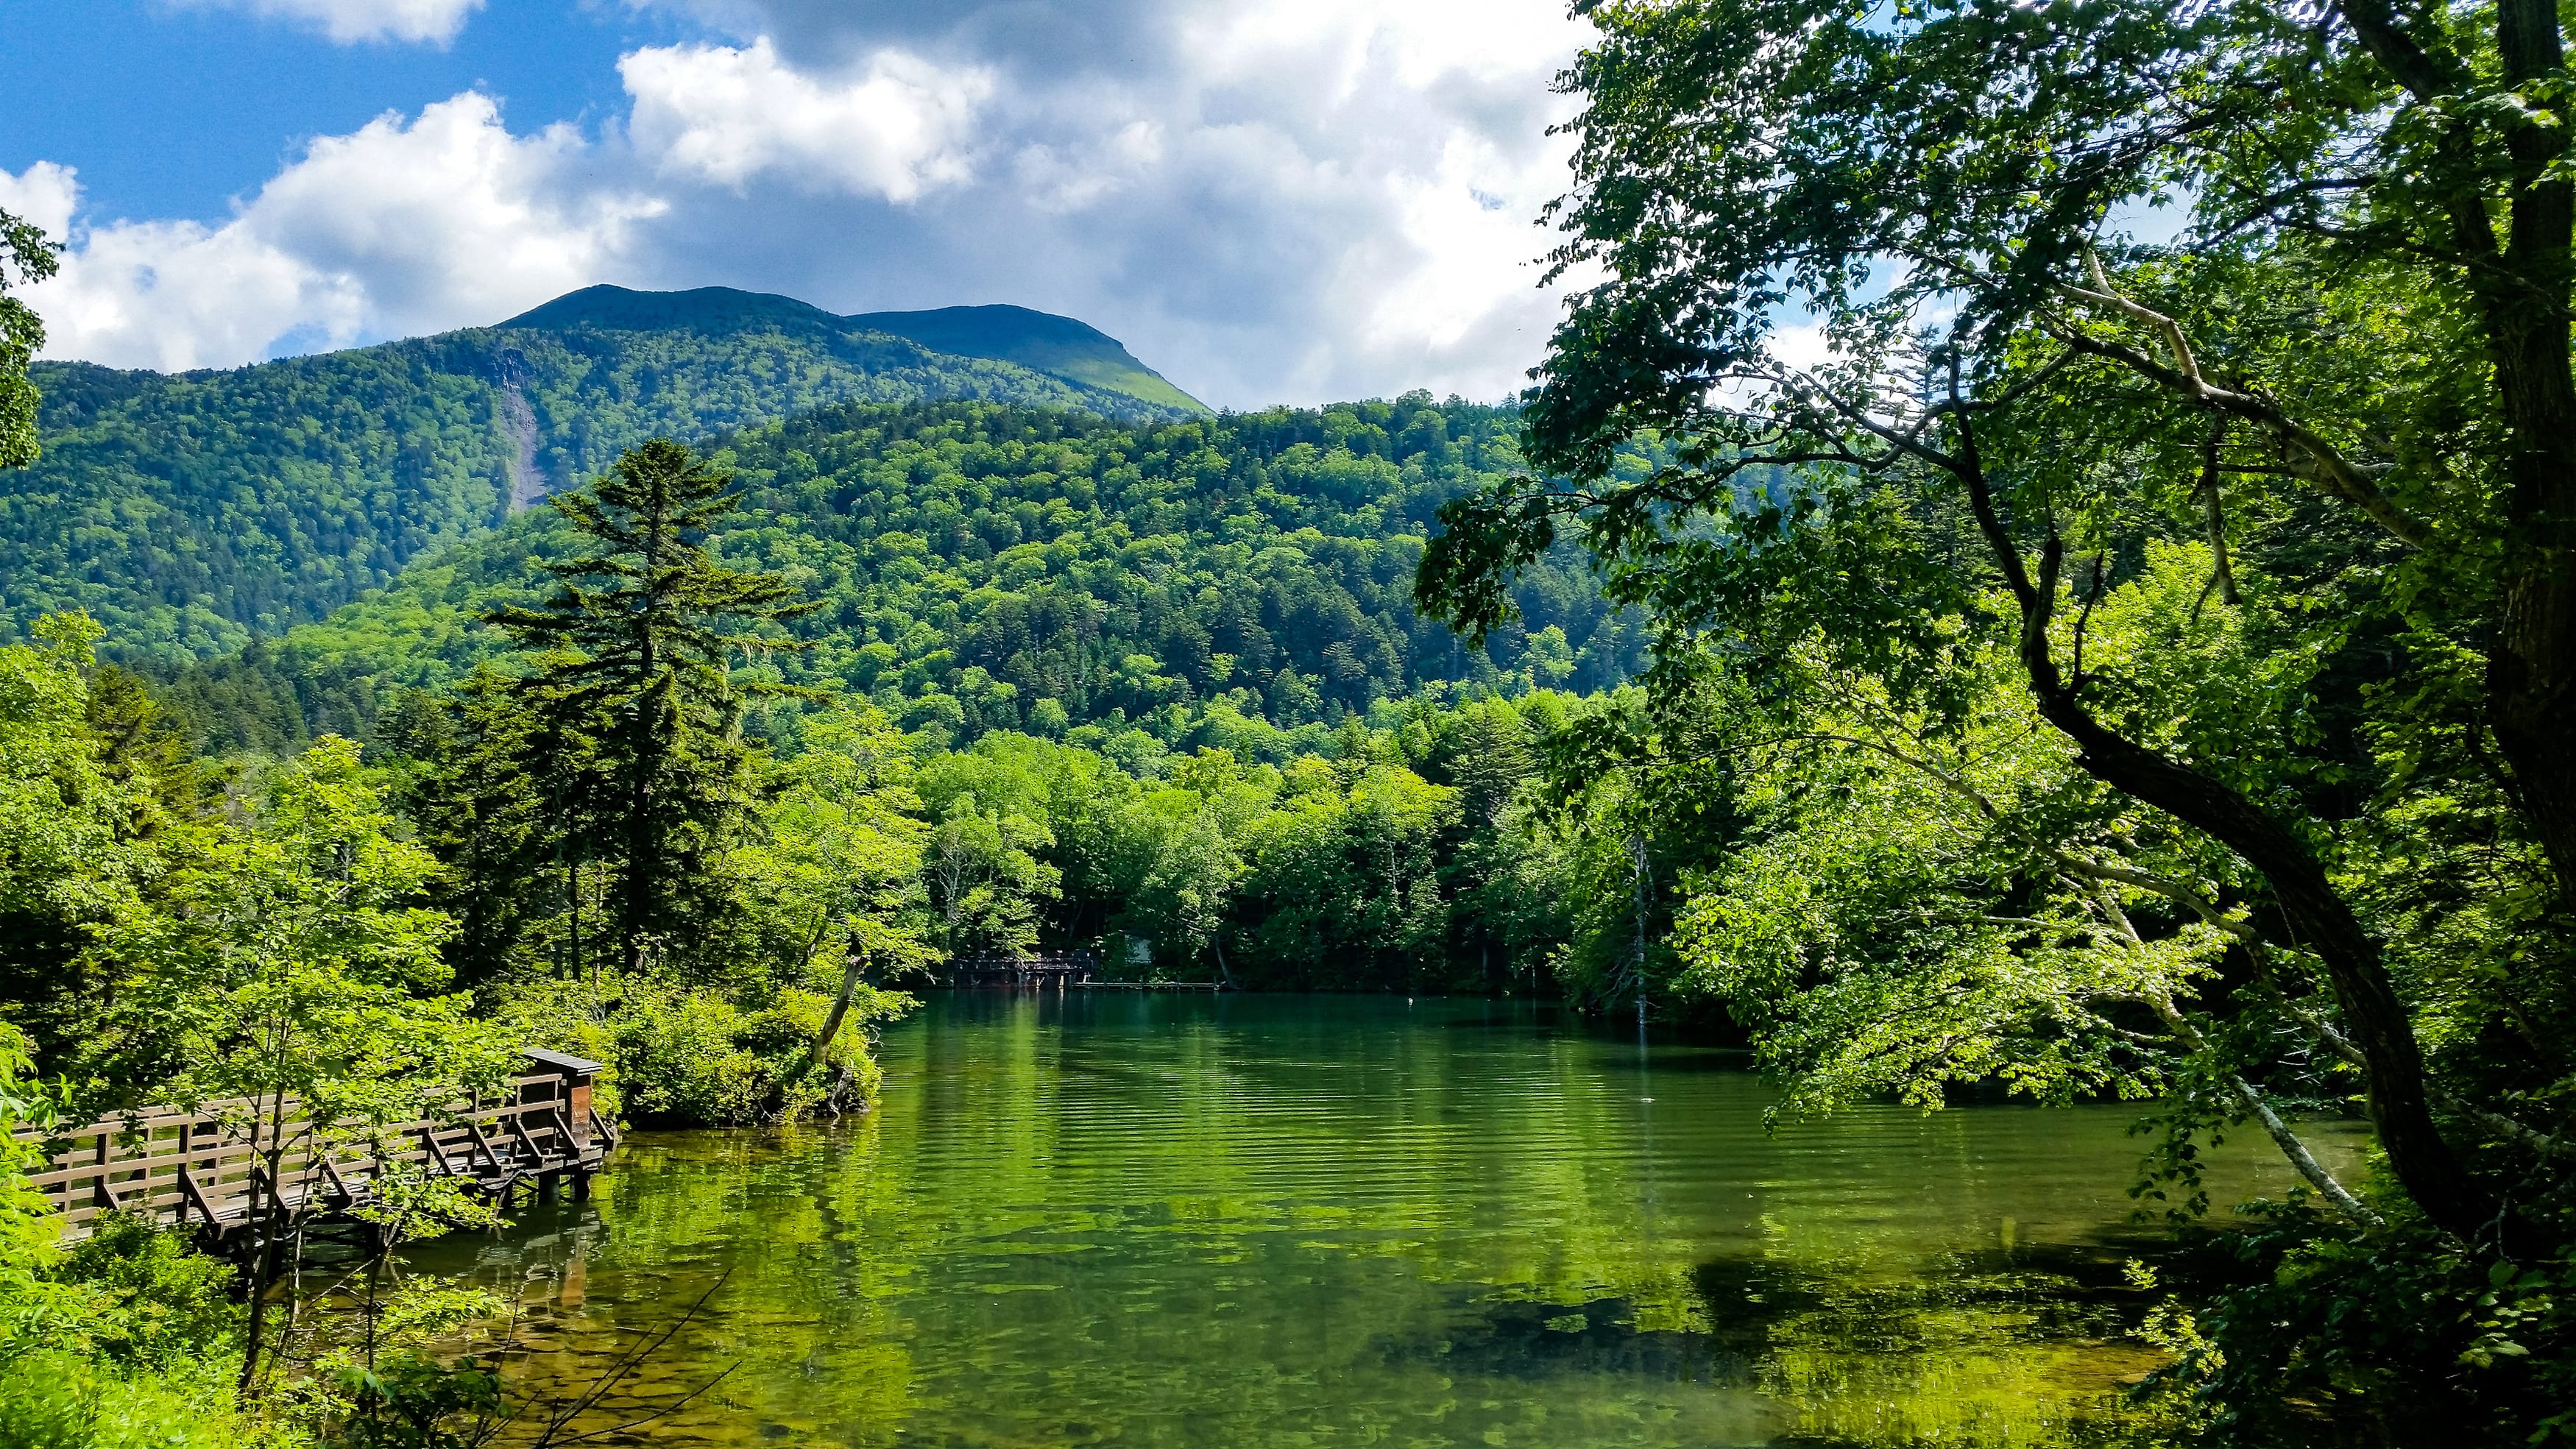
(573,1076)
(106,1160)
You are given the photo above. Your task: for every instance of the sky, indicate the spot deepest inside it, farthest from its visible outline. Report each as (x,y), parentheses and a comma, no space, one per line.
(1267,200)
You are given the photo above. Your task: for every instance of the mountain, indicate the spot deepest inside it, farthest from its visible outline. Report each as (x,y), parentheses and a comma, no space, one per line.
(1039,341)
(984,566)
(193,511)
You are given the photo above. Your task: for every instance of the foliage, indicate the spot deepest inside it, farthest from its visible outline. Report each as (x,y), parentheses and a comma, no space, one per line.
(2409,1338)
(1352,871)
(73,823)
(707,1058)
(2139,667)
(610,778)
(983,567)
(26,256)
(985,885)
(285,960)
(636,706)
(129,1340)
(192,511)
(155,1302)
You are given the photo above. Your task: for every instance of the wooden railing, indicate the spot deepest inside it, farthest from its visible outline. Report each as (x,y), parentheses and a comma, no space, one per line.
(202,1168)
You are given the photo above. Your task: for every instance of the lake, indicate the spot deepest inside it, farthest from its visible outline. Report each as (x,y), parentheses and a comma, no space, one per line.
(1188,1220)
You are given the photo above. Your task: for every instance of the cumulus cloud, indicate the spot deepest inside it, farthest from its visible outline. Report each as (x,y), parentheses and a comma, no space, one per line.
(45,193)
(1267,200)
(891,127)
(349,21)
(401,227)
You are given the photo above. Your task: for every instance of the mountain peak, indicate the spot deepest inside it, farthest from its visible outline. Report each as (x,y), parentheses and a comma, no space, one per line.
(706,309)
(1041,341)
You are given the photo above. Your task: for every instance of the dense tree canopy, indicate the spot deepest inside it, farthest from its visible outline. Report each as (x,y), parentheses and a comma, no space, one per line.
(191,512)
(2208,601)
(982,567)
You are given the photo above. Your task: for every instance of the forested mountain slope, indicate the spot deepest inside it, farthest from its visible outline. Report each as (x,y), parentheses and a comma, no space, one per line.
(984,566)
(1074,351)
(191,512)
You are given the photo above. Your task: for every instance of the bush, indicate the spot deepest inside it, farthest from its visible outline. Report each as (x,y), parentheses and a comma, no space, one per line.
(2307,1331)
(680,1056)
(697,1058)
(142,1349)
(63,1399)
(158,1302)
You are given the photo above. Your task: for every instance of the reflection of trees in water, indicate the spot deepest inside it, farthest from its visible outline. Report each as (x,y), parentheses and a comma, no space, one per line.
(1176,1239)
(2029,1348)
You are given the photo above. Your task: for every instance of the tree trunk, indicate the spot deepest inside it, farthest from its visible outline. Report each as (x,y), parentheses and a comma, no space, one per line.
(2531,671)
(2522,284)
(263,1260)
(2320,920)
(850,978)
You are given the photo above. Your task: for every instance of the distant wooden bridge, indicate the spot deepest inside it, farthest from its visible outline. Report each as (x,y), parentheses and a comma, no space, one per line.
(1074,969)
(1081,968)
(201,1170)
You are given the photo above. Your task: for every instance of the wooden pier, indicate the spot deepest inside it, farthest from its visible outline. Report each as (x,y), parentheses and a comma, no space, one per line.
(1080,969)
(200,1170)
(1075,969)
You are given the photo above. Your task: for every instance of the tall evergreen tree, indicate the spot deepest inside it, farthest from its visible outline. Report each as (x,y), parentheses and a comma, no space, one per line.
(642,750)
(513,866)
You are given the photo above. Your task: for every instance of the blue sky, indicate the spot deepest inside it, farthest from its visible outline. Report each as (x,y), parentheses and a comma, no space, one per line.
(171,111)
(1270,200)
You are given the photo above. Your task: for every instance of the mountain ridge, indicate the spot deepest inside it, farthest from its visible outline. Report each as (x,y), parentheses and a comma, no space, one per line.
(1066,347)
(191,512)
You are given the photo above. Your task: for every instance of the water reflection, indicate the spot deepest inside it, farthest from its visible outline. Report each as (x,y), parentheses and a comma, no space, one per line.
(1285,1221)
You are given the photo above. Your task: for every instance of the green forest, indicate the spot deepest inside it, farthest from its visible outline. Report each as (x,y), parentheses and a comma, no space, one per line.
(2122,664)
(981,567)
(575,840)
(193,512)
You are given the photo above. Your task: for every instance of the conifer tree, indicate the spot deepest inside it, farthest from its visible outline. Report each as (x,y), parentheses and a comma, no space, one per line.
(641,743)
(513,857)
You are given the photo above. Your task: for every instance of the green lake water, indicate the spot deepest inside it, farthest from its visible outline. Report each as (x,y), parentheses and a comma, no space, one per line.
(1168,1220)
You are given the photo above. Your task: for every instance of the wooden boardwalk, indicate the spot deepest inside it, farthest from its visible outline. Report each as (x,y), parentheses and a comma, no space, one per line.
(199,1169)
(1075,969)
(1081,968)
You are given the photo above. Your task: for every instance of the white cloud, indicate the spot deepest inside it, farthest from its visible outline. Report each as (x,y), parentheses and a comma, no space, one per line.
(349,21)
(45,193)
(1267,200)
(396,229)
(892,128)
